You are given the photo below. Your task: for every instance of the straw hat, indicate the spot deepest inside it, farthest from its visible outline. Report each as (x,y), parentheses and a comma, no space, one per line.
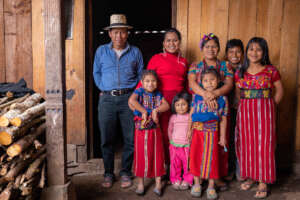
(118,21)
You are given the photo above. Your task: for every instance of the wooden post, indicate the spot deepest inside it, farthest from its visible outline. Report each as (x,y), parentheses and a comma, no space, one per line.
(58,185)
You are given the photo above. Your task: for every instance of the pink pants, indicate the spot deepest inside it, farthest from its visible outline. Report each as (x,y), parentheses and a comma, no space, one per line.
(179,160)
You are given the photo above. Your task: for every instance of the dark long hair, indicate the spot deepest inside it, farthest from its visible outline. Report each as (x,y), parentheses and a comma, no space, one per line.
(173,30)
(181,95)
(234,43)
(265,58)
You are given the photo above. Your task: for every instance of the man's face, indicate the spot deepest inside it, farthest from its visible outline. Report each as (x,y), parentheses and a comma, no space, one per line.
(118,37)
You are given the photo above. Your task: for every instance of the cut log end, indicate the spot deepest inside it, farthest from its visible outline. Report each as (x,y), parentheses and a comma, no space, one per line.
(16,122)
(5,138)
(4,122)
(14,150)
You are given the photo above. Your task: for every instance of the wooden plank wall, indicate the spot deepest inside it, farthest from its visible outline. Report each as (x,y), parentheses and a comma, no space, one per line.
(15,41)
(275,20)
(75,69)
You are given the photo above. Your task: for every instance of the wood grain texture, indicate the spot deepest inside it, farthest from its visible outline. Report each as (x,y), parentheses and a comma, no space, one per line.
(288,69)
(38,46)
(17,15)
(2,44)
(298,99)
(75,78)
(194,21)
(242,20)
(182,23)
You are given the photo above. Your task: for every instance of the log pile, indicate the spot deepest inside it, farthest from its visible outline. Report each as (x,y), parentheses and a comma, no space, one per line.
(22,147)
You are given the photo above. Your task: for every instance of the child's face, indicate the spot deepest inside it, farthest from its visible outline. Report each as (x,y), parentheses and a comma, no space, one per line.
(149,83)
(210,50)
(209,82)
(234,55)
(181,106)
(254,53)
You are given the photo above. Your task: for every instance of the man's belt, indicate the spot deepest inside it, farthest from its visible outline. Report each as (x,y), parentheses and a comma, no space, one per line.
(118,92)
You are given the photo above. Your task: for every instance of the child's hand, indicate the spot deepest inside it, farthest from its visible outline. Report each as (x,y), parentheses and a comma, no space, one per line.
(222,141)
(144,118)
(154,115)
(189,135)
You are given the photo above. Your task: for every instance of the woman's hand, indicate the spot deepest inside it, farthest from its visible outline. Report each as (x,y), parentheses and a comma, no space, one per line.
(212,104)
(208,96)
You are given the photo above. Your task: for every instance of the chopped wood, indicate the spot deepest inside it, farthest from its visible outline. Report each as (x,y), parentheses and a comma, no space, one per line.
(33,167)
(4,99)
(18,181)
(29,114)
(23,143)
(9,135)
(2,158)
(37,144)
(6,193)
(43,176)
(9,94)
(13,172)
(28,186)
(4,169)
(18,100)
(18,108)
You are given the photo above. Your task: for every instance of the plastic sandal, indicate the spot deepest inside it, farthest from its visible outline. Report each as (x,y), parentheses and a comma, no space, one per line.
(108,182)
(176,185)
(247,185)
(211,193)
(157,192)
(126,182)
(196,191)
(261,193)
(184,186)
(140,192)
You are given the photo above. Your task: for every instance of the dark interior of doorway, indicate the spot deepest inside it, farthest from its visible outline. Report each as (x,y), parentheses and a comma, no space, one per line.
(148,18)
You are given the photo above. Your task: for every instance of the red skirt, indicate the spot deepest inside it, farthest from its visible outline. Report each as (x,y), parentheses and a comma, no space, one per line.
(256,140)
(204,153)
(148,153)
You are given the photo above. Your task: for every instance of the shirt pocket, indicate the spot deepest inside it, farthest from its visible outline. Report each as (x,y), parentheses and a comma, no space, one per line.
(130,68)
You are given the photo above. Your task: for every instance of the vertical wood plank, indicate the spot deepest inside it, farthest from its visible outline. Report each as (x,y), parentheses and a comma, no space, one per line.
(38,46)
(17,15)
(269,20)
(75,78)
(2,43)
(182,23)
(214,18)
(298,99)
(242,20)
(194,21)
(288,69)
(10,34)
(55,107)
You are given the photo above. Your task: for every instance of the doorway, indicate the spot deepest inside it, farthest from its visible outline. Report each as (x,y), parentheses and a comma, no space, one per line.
(149,20)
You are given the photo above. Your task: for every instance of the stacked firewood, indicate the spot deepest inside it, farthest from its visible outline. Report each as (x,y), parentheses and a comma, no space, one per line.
(22,149)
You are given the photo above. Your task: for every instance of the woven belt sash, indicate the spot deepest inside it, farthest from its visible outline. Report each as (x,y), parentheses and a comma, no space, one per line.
(210,126)
(256,94)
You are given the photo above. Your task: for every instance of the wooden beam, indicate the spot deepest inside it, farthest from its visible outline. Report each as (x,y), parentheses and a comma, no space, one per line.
(55,93)
(2,43)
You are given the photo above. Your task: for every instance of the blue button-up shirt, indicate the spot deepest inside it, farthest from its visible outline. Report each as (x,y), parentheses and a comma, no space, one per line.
(111,72)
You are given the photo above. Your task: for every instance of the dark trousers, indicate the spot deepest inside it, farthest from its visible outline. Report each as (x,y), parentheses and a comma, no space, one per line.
(110,109)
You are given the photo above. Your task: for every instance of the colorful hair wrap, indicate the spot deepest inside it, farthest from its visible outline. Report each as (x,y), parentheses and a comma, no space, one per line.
(205,37)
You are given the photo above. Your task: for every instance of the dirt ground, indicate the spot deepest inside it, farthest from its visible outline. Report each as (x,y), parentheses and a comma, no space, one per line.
(88,187)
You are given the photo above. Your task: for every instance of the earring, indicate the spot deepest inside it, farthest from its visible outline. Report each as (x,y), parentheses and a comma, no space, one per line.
(164,52)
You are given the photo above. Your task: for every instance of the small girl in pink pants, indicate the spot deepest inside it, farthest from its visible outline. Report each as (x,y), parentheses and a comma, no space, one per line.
(179,144)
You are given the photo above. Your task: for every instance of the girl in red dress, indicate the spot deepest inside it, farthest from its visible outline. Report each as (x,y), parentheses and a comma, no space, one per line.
(148,145)
(256,138)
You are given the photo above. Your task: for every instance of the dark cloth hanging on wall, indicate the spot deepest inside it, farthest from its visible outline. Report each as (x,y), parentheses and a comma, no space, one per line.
(18,89)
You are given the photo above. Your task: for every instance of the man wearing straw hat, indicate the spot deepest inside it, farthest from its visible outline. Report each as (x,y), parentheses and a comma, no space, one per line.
(117,70)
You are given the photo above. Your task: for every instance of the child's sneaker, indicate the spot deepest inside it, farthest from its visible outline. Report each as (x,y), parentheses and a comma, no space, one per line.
(176,185)
(211,193)
(196,191)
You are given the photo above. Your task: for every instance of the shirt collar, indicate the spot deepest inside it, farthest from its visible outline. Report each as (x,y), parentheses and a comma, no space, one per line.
(126,48)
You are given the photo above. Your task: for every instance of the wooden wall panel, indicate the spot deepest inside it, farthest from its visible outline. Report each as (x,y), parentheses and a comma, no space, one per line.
(288,69)
(38,46)
(75,78)
(17,15)
(182,23)
(269,18)
(242,19)
(2,43)
(194,20)
(214,18)
(298,98)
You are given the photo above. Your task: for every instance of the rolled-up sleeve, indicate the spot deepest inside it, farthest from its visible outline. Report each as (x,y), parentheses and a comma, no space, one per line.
(97,69)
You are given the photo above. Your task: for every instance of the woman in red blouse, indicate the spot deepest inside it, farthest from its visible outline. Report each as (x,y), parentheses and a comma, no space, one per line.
(171,69)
